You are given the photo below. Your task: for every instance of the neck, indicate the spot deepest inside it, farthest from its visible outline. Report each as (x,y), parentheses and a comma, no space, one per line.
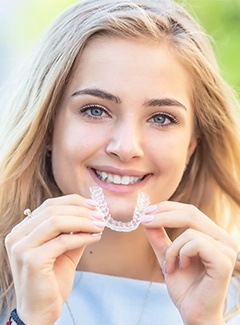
(122,254)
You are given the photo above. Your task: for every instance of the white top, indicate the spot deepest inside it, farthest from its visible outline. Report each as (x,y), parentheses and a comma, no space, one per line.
(98,299)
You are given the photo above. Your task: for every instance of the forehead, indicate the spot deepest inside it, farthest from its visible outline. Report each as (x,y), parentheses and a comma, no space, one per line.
(131,64)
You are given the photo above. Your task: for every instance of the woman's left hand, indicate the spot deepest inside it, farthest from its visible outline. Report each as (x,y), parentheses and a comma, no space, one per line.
(197,265)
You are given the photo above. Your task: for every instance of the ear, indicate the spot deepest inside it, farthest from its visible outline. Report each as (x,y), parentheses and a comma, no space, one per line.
(192,146)
(49,147)
(49,150)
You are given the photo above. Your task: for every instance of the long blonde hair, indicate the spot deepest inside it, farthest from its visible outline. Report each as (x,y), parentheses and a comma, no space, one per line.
(211,180)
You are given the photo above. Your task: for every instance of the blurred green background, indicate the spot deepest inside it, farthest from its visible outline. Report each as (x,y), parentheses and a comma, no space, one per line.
(221,19)
(26,19)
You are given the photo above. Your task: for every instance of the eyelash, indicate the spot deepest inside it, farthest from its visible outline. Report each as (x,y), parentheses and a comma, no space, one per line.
(85,111)
(172,119)
(87,108)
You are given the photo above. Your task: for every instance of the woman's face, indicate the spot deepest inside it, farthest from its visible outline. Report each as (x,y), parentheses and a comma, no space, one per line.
(125,123)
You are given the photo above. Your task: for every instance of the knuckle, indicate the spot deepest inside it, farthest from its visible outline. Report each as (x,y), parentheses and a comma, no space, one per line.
(233,244)
(200,241)
(164,204)
(171,253)
(17,252)
(49,210)
(9,240)
(190,233)
(193,208)
(54,222)
(227,270)
(74,197)
(62,240)
(48,203)
(233,255)
(29,260)
(192,211)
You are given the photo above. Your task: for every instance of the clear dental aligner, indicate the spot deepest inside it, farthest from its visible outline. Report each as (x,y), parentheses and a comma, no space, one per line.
(142,202)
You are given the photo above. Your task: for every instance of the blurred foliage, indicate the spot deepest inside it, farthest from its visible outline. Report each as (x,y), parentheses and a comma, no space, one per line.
(220,18)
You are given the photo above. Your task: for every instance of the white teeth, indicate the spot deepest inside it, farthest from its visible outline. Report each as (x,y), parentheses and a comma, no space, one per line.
(125,180)
(117,179)
(104,175)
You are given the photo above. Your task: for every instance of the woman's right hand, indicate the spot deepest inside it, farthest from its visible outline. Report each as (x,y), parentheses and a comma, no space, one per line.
(44,252)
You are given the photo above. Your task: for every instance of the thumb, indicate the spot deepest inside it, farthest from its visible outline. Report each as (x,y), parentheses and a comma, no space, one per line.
(159,241)
(75,255)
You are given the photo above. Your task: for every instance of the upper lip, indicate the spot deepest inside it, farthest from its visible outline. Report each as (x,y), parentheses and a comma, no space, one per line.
(120,171)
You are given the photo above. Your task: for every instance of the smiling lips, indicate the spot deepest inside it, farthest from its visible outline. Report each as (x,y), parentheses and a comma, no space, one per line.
(118,179)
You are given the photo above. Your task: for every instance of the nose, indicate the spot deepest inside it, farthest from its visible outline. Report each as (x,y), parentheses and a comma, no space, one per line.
(125,142)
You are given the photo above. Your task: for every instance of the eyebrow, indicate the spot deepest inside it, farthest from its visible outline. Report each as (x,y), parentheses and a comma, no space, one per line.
(106,95)
(98,93)
(164,102)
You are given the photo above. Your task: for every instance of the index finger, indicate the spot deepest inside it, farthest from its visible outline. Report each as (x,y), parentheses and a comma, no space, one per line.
(179,215)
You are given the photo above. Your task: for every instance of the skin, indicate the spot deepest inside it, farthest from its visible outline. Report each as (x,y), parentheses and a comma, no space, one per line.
(124,139)
(132,131)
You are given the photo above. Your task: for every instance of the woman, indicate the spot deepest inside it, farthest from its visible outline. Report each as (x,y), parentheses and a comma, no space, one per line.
(121,97)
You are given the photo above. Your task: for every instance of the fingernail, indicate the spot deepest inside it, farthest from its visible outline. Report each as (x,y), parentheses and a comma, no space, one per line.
(147,218)
(97,215)
(91,202)
(164,268)
(179,265)
(150,208)
(97,234)
(99,224)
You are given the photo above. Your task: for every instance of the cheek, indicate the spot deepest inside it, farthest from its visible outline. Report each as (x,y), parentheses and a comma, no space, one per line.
(169,153)
(73,144)
(169,165)
(73,139)
(71,149)
(71,152)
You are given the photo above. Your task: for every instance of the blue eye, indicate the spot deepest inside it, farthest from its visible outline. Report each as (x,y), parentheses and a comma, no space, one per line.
(94,111)
(163,119)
